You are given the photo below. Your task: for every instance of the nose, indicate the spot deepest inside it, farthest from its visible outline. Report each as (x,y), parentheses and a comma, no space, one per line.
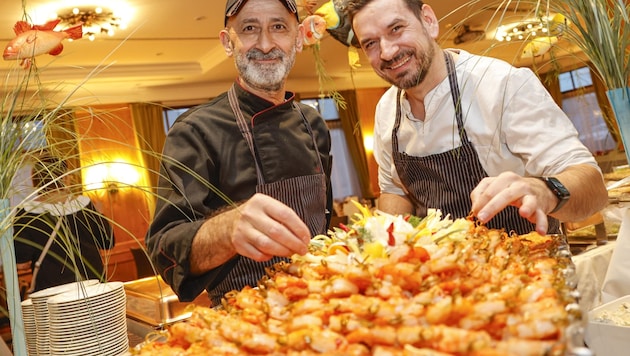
(389,49)
(265,41)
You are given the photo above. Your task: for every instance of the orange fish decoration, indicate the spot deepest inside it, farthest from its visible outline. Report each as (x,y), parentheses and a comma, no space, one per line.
(35,40)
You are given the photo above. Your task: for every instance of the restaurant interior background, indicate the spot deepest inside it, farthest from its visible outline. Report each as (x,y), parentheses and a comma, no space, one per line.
(164,56)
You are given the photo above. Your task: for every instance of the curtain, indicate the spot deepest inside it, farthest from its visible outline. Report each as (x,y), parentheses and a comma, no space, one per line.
(61,137)
(148,120)
(354,137)
(551,82)
(607,111)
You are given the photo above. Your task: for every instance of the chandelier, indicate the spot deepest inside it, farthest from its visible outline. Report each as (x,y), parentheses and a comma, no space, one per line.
(95,20)
(532,28)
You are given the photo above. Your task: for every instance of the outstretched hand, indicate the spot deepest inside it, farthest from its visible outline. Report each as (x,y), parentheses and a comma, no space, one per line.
(266,228)
(530,195)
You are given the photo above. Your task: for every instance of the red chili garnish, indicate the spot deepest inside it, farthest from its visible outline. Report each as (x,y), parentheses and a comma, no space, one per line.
(391,241)
(344,227)
(407,217)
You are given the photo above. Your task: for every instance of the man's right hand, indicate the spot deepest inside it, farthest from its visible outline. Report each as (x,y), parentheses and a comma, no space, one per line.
(265,227)
(260,229)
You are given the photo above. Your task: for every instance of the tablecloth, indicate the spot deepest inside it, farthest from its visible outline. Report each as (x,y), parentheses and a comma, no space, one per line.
(617,281)
(591,269)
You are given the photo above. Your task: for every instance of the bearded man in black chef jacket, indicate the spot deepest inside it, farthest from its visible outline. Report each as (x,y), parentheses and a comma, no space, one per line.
(256,145)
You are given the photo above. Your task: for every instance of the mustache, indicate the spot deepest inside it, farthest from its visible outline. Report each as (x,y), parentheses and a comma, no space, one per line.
(257,54)
(391,62)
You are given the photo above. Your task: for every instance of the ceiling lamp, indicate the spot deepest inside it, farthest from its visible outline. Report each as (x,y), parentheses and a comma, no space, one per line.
(95,20)
(533,28)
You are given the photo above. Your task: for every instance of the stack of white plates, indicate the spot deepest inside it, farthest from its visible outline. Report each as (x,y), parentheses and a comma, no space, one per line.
(30,329)
(42,318)
(91,320)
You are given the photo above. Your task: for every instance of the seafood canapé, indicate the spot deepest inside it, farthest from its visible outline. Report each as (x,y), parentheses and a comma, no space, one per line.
(393,285)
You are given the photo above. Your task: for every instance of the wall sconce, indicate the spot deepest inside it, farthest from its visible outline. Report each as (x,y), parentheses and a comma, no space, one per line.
(111,186)
(111,176)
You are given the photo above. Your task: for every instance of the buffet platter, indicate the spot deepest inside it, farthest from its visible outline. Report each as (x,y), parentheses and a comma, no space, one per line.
(151,301)
(398,285)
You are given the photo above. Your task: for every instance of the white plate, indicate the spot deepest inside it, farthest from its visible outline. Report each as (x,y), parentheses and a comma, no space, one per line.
(92,291)
(103,325)
(92,345)
(48,292)
(87,305)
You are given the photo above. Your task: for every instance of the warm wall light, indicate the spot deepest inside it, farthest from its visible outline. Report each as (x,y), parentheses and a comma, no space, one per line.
(111,176)
(368,143)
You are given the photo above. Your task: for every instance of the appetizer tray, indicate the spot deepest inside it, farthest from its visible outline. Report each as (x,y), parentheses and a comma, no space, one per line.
(399,285)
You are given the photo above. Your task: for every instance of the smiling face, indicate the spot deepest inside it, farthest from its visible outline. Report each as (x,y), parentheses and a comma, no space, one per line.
(401,48)
(264,38)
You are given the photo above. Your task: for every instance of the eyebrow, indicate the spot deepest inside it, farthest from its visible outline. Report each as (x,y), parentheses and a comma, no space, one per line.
(256,19)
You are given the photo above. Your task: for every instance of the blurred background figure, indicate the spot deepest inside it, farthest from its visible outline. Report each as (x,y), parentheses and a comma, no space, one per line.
(60,229)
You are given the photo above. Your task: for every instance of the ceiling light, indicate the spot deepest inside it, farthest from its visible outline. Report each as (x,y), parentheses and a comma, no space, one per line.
(532,28)
(95,19)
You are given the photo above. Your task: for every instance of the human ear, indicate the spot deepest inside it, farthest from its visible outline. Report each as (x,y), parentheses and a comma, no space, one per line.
(299,42)
(227,43)
(430,21)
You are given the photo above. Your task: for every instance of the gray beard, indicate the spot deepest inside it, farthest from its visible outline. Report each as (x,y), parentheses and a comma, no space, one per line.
(266,77)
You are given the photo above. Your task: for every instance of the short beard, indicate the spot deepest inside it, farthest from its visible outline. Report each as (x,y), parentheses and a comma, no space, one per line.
(408,79)
(266,77)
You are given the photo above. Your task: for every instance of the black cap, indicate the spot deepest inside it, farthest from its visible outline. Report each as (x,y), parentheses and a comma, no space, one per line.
(233,6)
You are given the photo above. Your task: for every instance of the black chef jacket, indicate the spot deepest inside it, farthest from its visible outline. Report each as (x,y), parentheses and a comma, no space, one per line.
(206,140)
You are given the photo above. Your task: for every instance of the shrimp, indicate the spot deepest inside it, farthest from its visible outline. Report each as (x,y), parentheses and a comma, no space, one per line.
(339,287)
(277,304)
(292,287)
(376,335)
(404,274)
(539,320)
(443,338)
(320,340)
(345,323)
(529,347)
(304,321)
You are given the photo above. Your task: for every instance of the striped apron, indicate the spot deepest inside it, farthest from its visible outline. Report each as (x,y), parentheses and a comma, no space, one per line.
(444,180)
(304,194)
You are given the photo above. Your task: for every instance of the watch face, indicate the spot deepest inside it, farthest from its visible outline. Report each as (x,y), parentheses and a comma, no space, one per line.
(561,192)
(558,188)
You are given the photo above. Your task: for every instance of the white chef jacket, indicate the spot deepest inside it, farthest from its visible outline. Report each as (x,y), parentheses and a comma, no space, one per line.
(509,116)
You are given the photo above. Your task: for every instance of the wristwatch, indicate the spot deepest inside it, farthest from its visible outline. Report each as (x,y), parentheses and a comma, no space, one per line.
(559,190)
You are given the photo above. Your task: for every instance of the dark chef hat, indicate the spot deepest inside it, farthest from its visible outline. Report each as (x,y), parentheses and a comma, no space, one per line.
(233,6)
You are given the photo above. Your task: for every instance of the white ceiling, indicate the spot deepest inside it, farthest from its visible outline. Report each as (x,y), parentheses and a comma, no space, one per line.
(171,53)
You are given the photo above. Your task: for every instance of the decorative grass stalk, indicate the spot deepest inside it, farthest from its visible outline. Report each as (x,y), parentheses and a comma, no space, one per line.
(600,29)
